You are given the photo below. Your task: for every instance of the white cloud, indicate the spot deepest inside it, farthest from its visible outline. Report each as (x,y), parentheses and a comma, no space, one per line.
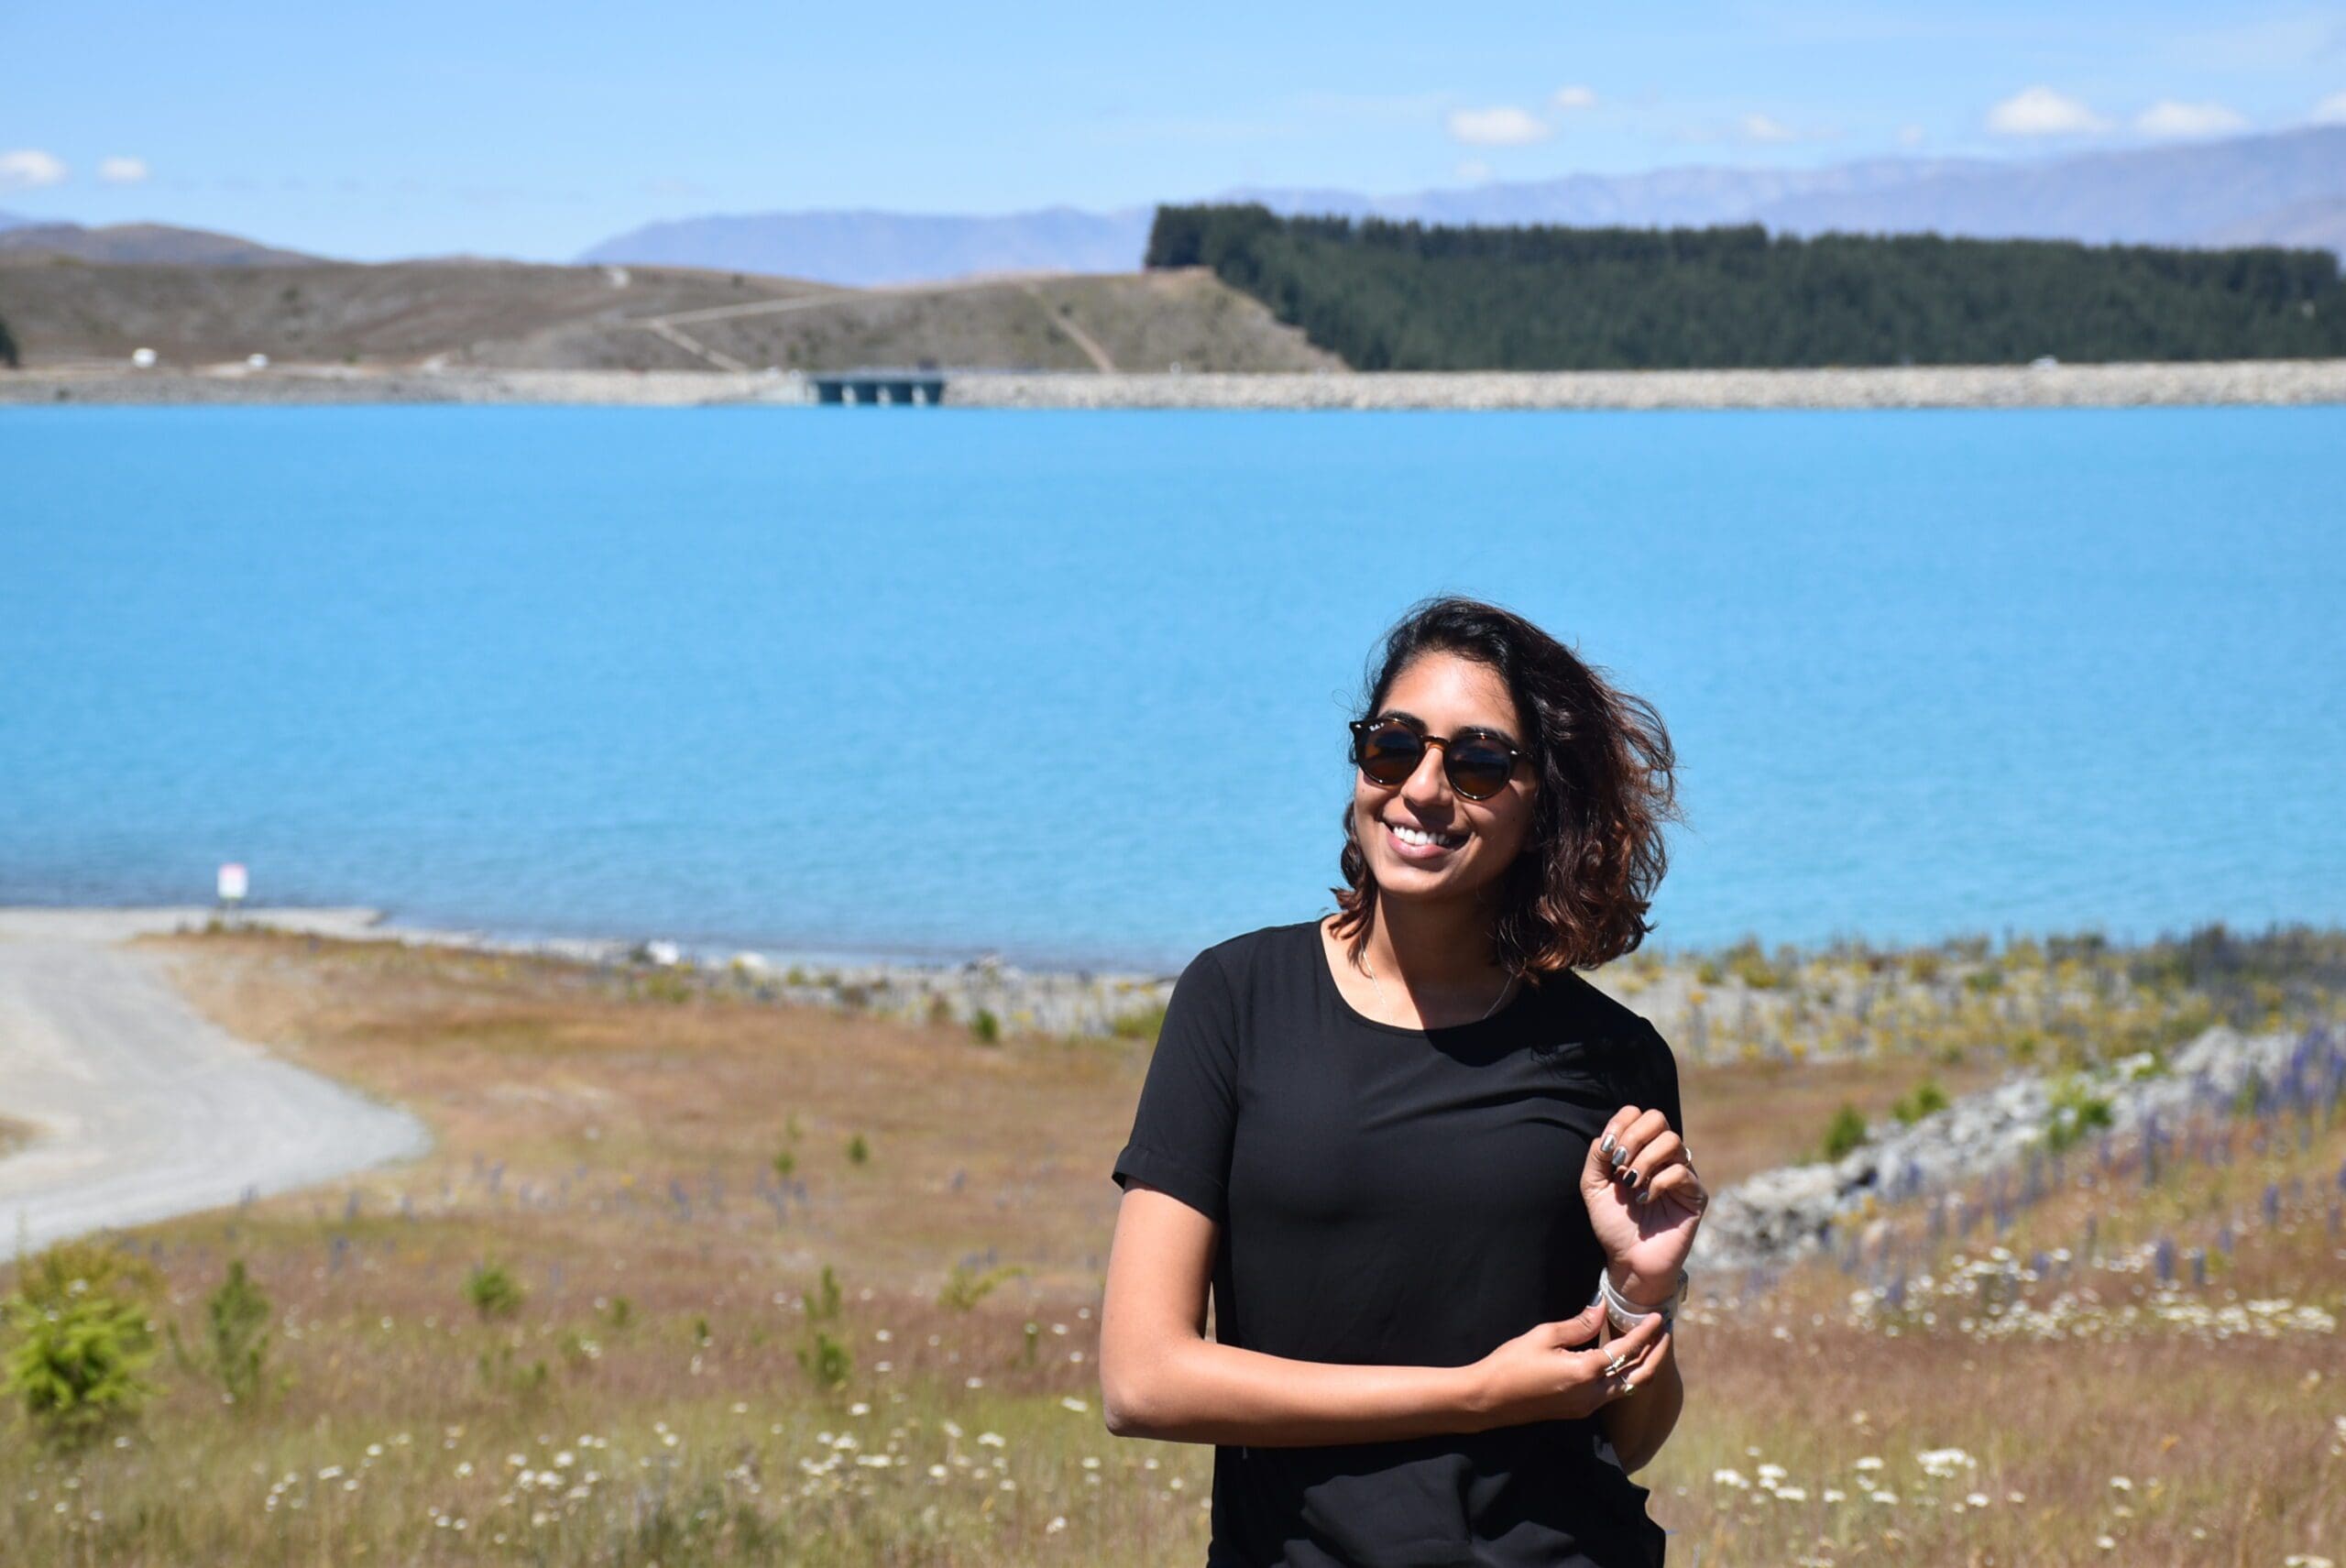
(28,167)
(2168,117)
(121,171)
(1504,126)
(2040,112)
(2331,111)
(1474,171)
(1573,97)
(1764,128)
(1912,135)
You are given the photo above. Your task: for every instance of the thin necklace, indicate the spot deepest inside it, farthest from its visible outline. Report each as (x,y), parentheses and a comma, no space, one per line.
(1378,980)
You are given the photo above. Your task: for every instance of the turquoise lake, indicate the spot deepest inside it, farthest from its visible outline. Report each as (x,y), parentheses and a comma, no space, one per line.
(1071,686)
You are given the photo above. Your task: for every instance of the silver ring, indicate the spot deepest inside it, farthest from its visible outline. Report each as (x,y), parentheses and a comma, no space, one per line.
(1613,1364)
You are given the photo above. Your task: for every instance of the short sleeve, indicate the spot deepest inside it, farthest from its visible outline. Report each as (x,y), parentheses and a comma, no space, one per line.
(1189,1102)
(1661,1079)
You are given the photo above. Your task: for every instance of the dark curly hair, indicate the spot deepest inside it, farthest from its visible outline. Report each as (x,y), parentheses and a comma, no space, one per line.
(1577,894)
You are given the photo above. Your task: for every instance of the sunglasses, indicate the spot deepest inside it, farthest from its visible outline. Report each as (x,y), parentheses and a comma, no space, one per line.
(1387,751)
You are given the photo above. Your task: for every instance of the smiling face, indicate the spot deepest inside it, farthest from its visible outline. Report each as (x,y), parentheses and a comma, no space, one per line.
(1423,840)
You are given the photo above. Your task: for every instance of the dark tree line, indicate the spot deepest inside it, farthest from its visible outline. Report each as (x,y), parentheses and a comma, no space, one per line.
(7,346)
(1394,296)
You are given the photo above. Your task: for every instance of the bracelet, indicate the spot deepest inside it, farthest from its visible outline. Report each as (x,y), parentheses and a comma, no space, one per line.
(1625,1314)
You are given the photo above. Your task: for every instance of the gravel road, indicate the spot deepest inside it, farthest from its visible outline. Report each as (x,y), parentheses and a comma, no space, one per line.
(141,1108)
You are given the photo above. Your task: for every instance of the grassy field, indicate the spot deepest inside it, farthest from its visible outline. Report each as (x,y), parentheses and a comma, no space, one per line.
(595,1324)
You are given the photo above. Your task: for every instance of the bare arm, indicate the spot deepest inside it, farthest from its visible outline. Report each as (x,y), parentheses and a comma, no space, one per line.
(1161,1377)
(1639,1423)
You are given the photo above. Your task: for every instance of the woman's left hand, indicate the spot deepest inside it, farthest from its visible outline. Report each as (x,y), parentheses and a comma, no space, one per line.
(1646,1225)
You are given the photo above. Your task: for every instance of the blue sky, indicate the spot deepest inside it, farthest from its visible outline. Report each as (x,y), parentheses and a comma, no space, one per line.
(536,129)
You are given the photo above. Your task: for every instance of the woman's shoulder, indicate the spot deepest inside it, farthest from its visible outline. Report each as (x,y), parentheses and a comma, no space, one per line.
(1590,1026)
(1284,946)
(1596,1010)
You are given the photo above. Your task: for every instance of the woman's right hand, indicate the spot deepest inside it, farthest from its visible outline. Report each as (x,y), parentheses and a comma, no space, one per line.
(1539,1376)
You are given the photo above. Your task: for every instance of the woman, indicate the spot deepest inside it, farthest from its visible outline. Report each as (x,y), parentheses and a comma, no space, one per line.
(1403,1144)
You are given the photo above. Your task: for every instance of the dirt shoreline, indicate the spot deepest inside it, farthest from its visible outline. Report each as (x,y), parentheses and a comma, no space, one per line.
(2229,382)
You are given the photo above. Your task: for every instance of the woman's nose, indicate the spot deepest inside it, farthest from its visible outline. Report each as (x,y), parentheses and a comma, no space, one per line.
(1429,782)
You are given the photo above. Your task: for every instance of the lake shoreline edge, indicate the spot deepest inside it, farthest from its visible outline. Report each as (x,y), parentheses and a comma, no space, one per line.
(2247,383)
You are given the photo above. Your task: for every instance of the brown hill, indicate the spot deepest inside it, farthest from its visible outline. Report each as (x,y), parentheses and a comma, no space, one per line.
(160,243)
(513,315)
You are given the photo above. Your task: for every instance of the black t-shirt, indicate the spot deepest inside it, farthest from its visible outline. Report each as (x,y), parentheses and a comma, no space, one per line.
(1398,1197)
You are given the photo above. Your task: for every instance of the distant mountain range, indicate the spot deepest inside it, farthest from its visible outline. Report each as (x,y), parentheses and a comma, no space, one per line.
(867,248)
(2286,188)
(2289,188)
(137,242)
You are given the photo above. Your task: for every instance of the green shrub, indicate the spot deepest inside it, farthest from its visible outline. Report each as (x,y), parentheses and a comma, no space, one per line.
(81,1343)
(1138,1025)
(493,1291)
(985,1028)
(784,1163)
(236,1342)
(619,1313)
(1845,1132)
(858,1151)
(822,1303)
(501,1373)
(2073,1111)
(964,1290)
(826,1360)
(1926,1098)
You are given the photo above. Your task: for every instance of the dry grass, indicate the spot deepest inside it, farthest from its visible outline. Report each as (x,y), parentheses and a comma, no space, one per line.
(608,1146)
(515,315)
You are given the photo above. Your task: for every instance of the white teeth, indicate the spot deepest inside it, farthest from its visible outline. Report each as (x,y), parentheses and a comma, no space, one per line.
(1412,836)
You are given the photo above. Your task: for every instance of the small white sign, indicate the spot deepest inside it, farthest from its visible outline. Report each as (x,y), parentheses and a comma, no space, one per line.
(233,882)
